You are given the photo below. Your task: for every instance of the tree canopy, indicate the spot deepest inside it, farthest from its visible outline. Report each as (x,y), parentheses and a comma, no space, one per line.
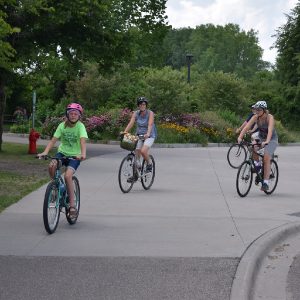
(288,65)
(71,30)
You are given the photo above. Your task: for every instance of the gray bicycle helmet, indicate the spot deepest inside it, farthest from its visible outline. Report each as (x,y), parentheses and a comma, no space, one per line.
(141,100)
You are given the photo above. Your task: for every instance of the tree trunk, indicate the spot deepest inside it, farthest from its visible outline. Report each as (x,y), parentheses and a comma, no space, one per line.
(2,107)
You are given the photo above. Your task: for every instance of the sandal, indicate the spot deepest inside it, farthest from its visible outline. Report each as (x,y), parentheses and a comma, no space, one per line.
(72,212)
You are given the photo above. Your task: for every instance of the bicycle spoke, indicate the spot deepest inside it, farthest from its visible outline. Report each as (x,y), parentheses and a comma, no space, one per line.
(244,179)
(236,155)
(51,208)
(147,178)
(76,189)
(273,179)
(126,178)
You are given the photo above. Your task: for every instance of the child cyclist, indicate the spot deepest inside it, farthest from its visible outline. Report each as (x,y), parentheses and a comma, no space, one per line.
(72,135)
(144,119)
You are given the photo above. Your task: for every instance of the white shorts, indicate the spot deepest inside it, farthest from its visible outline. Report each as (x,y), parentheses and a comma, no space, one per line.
(147,142)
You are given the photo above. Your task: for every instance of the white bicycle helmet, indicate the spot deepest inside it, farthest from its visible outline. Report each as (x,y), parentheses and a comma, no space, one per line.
(261,104)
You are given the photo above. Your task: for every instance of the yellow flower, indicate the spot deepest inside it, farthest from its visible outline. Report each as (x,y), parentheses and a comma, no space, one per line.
(175,126)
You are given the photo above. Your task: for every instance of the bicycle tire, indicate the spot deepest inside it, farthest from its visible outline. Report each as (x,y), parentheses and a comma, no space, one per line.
(125,173)
(273,180)
(77,200)
(236,155)
(244,178)
(51,208)
(147,178)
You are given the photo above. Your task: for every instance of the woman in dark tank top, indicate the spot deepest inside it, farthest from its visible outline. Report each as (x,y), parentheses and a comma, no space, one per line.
(267,134)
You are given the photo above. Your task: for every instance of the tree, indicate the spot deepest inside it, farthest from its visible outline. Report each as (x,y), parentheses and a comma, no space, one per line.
(7,53)
(73,30)
(175,45)
(221,91)
(288,65)
(216,48)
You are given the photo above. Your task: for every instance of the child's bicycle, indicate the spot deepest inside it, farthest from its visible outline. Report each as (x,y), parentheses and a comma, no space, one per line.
(246,170)
(56,198)
(131,170)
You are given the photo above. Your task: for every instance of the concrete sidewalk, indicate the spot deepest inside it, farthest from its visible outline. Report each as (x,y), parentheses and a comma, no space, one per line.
(191,211)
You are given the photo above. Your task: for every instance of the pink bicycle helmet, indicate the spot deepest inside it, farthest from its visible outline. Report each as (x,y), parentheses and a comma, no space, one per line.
(75,106)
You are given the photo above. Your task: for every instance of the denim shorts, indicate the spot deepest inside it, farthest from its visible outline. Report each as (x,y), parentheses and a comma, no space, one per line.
(69,163)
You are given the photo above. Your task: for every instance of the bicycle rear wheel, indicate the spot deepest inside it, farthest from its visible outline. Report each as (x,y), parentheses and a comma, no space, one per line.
(76,189)
(244,178)
(126,178)
(273,180)
(51,208)
(148,177)
(236,155)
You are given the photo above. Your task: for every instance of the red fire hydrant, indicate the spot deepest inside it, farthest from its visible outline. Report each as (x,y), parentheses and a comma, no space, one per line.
(33,137)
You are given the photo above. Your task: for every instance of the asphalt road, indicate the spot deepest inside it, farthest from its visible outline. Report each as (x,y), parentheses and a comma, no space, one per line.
(182,239)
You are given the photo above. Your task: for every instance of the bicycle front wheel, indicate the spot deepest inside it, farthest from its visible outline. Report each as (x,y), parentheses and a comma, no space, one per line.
(76,189)
(273,180)
(244,178)
(51,208)
(236,155)
(126,177)
(148,177)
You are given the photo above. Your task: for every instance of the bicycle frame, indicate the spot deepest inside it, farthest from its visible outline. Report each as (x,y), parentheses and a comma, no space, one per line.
(136,166)
(60,184)
(56,198)
(130,172)
(136,170)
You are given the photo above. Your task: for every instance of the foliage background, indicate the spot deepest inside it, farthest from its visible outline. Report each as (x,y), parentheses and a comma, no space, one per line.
(120,50)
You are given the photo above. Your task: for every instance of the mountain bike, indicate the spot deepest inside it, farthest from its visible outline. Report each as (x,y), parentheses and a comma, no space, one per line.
(131,169)
(238,153)
(245,173)
(56,198)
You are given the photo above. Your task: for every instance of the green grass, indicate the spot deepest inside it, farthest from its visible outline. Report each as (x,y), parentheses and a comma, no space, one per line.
(14,187)
(20,173)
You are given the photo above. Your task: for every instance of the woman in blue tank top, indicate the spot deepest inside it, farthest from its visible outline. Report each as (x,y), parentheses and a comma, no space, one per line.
(144,119)
(267,135)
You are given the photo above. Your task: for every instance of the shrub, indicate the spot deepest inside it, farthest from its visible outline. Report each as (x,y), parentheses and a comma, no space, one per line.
(217,129)
(96,126)
(50,125)
(283,135)
(120,119)
(174,133)
(20,128)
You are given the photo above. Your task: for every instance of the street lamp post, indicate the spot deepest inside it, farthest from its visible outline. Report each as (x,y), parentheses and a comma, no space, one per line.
(33,108)
(189,59)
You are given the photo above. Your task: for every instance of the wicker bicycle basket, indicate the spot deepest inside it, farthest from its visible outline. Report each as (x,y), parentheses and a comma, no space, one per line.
(129,142)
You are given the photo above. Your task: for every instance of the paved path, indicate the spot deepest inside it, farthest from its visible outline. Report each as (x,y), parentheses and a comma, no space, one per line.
(182,239)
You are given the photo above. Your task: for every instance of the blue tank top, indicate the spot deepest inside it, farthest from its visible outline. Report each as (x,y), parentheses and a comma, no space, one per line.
(142,124)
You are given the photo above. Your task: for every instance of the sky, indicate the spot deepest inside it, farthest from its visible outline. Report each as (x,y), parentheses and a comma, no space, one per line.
(263,16)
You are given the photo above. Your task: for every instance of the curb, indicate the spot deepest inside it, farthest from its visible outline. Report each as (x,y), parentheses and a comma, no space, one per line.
(155,145)
(243,286)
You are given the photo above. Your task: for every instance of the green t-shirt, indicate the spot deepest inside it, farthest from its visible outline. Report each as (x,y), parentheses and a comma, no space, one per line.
(70,138)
